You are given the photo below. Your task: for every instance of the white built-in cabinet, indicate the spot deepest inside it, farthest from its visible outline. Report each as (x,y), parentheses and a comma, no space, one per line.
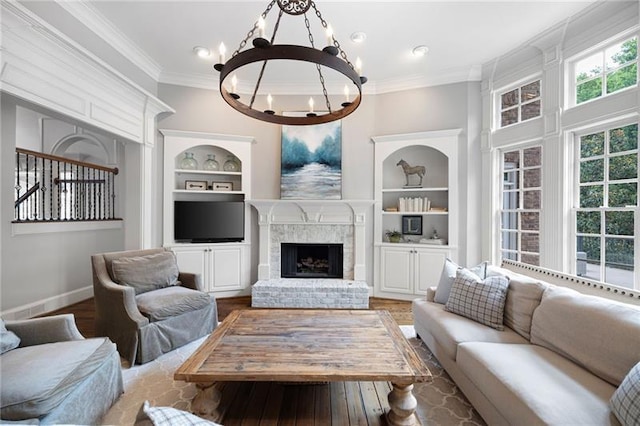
(405,269)
(225,268)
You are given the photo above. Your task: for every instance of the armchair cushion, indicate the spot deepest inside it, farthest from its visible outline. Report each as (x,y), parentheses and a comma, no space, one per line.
(33,385)
(8,339)
(146,273)
(171,301)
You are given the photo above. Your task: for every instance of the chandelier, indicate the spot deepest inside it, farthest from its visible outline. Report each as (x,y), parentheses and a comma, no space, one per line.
(331,56)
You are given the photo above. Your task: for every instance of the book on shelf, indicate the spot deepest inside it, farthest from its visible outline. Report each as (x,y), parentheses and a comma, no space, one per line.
(414,204)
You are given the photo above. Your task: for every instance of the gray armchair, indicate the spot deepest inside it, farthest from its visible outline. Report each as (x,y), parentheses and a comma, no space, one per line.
(145,306)
(54,375)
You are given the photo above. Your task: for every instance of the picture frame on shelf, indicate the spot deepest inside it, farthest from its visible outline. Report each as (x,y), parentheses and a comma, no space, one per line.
(195,185)
(222,186)
(412,225)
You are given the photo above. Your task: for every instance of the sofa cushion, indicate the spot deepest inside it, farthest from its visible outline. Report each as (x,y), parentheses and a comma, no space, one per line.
(448,275)
(8,339)
(523,297)
(171,301)
(601,335)
(36,379)
(625,402)
(529,384)
(450,329)
(477,299)
(146,273)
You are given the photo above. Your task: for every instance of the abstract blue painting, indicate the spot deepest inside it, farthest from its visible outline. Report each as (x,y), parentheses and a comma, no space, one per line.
(311,166)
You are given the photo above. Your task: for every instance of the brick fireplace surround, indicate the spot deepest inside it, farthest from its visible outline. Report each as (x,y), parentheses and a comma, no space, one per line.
(311,221)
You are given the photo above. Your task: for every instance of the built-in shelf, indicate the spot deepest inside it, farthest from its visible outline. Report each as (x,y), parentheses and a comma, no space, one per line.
(207,172)
(415,189)
(415,213)
(208,192)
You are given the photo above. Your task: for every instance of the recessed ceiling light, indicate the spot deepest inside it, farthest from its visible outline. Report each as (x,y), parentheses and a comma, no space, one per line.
(202,52)
(358,37)
(420,51)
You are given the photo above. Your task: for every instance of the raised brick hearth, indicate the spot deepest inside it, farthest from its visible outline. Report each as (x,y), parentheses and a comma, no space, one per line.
(310,293)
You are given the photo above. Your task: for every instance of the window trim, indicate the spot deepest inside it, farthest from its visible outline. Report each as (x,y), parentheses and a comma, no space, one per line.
(570,100)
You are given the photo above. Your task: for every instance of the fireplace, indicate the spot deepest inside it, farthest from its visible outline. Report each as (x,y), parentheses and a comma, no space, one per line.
(309,260)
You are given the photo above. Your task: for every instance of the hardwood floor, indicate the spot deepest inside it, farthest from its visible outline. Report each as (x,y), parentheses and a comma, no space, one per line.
(84,311)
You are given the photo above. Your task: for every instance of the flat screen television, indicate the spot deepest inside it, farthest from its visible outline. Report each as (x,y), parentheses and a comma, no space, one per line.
(208,221)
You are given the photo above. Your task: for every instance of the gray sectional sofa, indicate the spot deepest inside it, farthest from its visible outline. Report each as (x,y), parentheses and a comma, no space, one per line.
(558,361)
(53,375)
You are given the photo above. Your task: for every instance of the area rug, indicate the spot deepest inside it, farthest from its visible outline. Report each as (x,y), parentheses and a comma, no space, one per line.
(439,402)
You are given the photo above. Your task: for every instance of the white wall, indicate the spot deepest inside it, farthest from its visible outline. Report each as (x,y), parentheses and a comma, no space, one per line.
(431,108)
(47,270)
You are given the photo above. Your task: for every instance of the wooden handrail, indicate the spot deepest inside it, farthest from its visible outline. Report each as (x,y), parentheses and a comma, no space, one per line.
(113,170)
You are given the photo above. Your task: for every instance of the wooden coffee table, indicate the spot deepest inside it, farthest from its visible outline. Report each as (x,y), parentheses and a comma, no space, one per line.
(306,345)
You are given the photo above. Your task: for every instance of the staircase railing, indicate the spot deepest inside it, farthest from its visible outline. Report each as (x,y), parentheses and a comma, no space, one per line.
(49,188)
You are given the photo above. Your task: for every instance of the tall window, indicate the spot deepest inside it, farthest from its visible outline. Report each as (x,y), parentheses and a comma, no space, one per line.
(606,71)
(521,204)
(520,104)
(608,200)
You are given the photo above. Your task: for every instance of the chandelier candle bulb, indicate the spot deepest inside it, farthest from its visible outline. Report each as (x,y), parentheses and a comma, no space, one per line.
(311,105)
(359,66)
(222,50)
(270,102)
(234,83)
(261,27)
(329,35)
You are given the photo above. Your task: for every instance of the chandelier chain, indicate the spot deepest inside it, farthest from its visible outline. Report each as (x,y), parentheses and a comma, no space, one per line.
(243,43)
(343,54)
(324,89)
(264,64)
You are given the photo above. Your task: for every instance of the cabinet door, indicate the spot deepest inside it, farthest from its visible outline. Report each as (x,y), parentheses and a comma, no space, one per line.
(226,268)
(193,260)
(396,270)
(428,269)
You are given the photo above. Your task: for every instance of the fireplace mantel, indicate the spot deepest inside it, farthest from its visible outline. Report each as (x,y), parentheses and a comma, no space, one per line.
(311,213)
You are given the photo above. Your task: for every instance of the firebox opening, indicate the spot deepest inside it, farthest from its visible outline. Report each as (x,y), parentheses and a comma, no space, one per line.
(307,260)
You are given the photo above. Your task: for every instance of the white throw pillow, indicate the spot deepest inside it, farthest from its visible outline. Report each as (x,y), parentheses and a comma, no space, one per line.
(448,275)
(8,339)
(625,402)
(477,299)
(168,416)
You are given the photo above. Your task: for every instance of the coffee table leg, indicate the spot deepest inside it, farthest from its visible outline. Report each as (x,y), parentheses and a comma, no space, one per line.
(403,406)
(206,403)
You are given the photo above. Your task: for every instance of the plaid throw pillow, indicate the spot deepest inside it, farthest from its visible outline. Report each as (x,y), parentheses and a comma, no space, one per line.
(477,299)
(168,416)
(625,402)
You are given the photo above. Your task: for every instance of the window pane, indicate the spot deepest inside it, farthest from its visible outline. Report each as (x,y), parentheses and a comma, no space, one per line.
(592,145)
(511,159)
(533,156)
(531,242)
(588,222)
(510,200)
(623,194)
(619,261)
(624,77)
(530,91)
(623,167)
(532,178)
(530,110)
(623,139)
(619,223)
(592,171)
(510,240)
(531,199)
(591,246)
(511,180)
(588,90)
(621,53)
(509,220)
(509,255)
(591,196)
(531,259)
(509,116)
(589,67)
(509,99)
(530,221)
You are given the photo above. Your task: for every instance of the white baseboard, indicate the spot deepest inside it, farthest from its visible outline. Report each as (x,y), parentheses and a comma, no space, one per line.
(47,305)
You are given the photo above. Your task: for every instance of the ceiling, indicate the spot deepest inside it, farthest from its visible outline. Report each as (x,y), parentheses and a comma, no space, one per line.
(461,36)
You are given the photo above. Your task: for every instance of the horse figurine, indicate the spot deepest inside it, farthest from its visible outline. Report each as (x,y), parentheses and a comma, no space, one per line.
(412,170)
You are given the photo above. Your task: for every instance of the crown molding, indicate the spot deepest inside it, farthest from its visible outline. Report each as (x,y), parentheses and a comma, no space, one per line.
(84,12)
